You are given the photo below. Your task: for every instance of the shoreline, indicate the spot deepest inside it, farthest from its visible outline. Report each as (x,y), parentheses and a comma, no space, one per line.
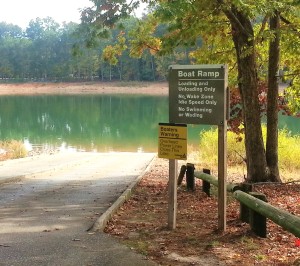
(83,88)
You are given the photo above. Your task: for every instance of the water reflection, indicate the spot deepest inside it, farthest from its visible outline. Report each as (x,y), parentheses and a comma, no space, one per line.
(93,123)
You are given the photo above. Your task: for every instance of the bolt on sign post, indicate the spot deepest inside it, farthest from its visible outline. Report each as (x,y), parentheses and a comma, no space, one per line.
(198,95)
(172,145)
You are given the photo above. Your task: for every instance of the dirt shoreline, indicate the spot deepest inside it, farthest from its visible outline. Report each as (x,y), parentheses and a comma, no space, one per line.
(40,88)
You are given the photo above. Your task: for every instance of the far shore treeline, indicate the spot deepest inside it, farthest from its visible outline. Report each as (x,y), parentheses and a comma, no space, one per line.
(48,51)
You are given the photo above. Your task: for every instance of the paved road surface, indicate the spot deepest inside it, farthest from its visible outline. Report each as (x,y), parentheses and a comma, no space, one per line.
(48,204)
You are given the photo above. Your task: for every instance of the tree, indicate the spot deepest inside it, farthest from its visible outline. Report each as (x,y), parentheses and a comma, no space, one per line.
(272,100)
(10,30)
(243,34)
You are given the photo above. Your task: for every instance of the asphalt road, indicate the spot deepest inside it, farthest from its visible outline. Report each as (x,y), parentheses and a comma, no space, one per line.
(49,203)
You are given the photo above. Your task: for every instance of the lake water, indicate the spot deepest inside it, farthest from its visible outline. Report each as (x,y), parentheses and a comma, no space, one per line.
(93,123)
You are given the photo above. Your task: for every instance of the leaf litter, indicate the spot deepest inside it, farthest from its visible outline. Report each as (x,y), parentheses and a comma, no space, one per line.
(142,224)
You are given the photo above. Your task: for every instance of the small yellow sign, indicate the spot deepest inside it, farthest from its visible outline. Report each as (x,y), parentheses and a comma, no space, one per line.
(172,141)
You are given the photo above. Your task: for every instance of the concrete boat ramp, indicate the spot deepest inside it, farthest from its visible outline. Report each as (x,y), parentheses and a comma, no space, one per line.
(51,204)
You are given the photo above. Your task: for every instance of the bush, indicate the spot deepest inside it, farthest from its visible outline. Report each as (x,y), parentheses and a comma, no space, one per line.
(12,149)
(209,148)
(288,149)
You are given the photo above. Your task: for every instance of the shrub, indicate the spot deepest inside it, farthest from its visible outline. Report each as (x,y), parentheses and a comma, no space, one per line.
(288,149)
(209,148)
(12,149)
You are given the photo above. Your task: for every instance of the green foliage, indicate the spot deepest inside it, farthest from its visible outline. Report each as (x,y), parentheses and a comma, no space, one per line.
(206,20)
(292,96)
(209,148)
(47,51)
(288,150)
(112,52)
(142,37)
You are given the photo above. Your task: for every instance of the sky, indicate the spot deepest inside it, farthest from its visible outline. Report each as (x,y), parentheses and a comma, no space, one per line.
(20,12)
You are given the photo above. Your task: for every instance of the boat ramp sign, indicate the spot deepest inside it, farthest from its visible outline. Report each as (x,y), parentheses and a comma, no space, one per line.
(197,94)
(172,141)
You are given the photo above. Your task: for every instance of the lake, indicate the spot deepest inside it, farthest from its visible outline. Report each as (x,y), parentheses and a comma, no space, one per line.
(99,123)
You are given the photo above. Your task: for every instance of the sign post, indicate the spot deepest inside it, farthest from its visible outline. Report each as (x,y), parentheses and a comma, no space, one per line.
(172,145)
(197,95)
(222,176)
(172,194)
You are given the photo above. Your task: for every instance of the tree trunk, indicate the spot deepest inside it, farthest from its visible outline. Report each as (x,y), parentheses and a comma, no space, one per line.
(243,38)
(272,101)
(152,67)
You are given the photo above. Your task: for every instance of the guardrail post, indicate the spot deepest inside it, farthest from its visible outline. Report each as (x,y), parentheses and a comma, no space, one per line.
(181,175)
(205,184)
(257,221)
(190,178)
(244,210)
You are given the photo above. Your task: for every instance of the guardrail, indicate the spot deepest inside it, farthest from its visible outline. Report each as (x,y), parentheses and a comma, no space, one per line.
(254,208)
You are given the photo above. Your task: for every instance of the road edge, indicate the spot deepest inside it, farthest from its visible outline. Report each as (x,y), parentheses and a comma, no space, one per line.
(102,221)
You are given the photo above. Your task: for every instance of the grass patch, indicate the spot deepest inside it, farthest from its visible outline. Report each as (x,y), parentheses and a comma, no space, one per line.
(260,257)
(288,152)
(140,246)
(209,148)
(249,243)
(12,149)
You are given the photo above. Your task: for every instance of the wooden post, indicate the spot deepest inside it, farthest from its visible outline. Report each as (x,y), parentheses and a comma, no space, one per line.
(222,175)
(205,184)
(286,220)
(257,221)
(244,210)
(181,174)
(172,190)
(190,178)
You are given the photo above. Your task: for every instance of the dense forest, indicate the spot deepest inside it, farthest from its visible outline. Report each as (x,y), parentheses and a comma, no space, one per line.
(48,51)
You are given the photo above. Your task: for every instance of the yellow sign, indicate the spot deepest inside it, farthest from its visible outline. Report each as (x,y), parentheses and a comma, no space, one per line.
(172,141)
